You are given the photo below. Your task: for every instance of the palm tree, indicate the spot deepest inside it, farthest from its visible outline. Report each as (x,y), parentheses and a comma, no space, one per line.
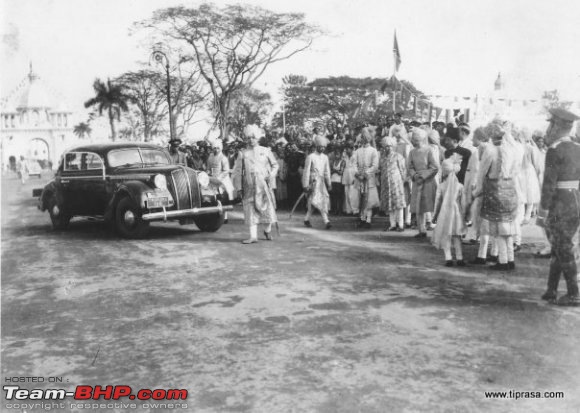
(82,129)
(109,97)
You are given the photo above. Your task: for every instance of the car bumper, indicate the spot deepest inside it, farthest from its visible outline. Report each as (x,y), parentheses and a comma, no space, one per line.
(165,215)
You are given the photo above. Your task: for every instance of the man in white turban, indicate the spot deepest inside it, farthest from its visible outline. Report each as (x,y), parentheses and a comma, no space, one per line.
(316,182)
(367,165)
(254,176)
(218,166)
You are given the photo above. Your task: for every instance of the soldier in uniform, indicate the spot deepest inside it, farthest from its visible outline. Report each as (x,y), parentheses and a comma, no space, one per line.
(560,205)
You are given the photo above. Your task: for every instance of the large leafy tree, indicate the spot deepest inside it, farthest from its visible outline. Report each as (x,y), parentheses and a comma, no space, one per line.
(82,130)
(232,46)
(145,99)
(249,106)
(343,100)
(109,97)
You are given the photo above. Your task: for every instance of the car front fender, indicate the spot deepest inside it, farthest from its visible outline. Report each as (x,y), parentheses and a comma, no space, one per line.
(131,189)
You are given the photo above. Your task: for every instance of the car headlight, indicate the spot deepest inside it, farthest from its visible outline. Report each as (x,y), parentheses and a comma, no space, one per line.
(160,182)
(203,179)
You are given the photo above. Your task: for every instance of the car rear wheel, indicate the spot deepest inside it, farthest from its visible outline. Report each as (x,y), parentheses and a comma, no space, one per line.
(128,220)
(59,218)
(209,222)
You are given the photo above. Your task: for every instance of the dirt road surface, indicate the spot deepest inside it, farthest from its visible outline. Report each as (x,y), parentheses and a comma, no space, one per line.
(344,320)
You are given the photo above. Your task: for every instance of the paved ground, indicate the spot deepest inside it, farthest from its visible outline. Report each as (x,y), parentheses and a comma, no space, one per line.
(344,320)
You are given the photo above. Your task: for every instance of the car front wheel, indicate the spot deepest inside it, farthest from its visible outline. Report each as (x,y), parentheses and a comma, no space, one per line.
(128,220)
(59,218)
(209,222)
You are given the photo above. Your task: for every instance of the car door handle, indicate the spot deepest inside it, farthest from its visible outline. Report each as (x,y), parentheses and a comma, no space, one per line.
(64,181)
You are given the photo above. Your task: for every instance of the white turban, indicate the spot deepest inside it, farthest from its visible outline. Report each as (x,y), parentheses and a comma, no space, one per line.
(320,141)
(389,141)
(253,130)
(420,135)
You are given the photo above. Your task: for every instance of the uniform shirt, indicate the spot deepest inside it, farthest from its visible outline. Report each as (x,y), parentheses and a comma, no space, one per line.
(562,164)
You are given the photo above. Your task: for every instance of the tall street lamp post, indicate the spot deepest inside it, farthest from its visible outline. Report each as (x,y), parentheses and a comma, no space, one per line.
(161,58)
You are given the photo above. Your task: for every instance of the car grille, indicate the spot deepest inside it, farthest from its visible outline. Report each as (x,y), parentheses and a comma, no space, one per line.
(184,183)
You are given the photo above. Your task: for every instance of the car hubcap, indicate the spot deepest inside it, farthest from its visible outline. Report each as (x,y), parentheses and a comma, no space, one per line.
(129,218)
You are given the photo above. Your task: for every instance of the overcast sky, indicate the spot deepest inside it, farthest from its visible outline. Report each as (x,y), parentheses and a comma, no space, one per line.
(447,46)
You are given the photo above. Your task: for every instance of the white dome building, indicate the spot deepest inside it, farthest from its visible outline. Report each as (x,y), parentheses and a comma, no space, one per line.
(34,123)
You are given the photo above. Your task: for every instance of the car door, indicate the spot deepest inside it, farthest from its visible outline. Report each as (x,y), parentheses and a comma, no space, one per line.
(83,183)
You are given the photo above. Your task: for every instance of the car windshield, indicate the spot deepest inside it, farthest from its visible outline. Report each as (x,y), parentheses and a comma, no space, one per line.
(135,156)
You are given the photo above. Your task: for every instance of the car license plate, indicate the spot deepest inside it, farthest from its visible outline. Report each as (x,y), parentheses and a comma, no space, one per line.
(157,202)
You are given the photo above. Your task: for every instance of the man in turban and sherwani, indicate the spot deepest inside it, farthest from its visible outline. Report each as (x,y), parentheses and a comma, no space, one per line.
(367,165)
(218,166)
(316,181)
(254,176)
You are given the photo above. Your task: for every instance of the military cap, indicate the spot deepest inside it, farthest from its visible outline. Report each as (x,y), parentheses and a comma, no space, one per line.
(563,115)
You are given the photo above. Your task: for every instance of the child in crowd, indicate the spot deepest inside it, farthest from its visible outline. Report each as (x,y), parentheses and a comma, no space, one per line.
(449,212)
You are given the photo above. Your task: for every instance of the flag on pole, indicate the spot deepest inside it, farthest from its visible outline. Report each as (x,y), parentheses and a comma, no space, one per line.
(396,54)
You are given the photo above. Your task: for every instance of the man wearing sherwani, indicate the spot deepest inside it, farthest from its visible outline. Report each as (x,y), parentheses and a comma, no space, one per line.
(254,175)
(218,166)
(422,168)
(367,165)
(316,182)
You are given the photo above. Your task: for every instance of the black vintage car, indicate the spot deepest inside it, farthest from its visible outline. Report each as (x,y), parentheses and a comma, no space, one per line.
(130,185)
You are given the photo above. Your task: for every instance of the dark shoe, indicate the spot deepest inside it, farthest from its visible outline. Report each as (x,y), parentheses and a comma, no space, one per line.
(421,235)
(499,267)
(399,229)
(268,236)
(225,221)
(366,225)
(569,301)
(517,247)
(469,241)
(391,229)
(549,295)
(328,226)
(492,258)
(307,224)
(478,261)
(461,263)
(408,226)
(449,263)
(511,265)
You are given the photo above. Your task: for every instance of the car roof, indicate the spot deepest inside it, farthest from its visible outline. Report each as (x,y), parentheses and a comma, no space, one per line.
(102,148)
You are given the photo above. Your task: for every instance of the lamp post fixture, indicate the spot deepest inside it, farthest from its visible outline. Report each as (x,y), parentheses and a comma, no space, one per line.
(162,59)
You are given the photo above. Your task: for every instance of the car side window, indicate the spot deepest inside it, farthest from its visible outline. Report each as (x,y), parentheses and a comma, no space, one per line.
(82,161)
(91,161)
(72,162)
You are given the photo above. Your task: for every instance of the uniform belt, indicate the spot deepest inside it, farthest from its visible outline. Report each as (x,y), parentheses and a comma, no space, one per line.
(567,184)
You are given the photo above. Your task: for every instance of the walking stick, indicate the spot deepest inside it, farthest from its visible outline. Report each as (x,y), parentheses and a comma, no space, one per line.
(302,195)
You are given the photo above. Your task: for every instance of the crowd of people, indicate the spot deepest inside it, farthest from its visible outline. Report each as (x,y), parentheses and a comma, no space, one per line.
(462,185)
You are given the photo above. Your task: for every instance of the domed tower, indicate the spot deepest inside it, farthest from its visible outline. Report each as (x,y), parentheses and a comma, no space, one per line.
(34,122)
(498,85)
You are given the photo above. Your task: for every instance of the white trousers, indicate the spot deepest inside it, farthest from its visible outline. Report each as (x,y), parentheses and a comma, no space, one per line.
(311,209)
(254,230)
(457,247)
(396,217)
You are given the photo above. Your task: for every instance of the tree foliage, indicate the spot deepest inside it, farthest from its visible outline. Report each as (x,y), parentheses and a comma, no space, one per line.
(82,130)
(108,97)
(233,45)
(342,100)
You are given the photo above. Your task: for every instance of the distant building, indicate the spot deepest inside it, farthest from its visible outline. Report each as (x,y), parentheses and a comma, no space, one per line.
(34,123)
